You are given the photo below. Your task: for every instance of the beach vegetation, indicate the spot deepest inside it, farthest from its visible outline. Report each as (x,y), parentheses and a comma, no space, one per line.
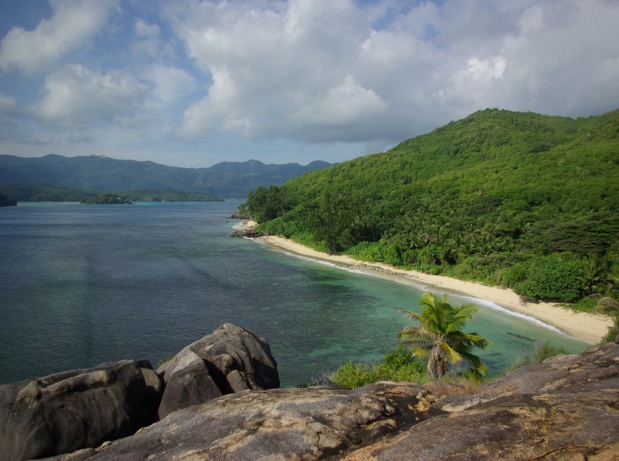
(520,200)
(538,353)
(438,337)
(609,306)
(397,365)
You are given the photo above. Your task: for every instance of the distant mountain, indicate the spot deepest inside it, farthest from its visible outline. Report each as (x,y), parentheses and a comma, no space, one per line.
(227,179)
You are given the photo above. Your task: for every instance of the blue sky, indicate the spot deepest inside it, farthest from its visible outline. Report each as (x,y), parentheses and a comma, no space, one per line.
(196,82)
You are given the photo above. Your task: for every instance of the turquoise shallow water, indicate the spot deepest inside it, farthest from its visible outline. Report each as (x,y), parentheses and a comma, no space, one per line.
(88,284)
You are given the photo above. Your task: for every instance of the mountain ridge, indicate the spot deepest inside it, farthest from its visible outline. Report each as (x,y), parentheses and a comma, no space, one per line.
(99,173)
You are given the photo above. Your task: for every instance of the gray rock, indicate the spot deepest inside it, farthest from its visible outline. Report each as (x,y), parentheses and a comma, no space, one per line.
(230,359)
(303,424)
(67,411)
(564,408)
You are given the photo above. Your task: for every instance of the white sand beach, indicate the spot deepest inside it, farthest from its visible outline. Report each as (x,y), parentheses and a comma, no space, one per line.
(590,328)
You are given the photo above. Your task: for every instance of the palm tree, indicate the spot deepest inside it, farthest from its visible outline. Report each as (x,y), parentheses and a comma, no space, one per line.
(438,336)
(610,306)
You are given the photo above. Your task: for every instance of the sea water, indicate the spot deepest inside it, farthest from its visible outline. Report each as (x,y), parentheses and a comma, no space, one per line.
(86,284)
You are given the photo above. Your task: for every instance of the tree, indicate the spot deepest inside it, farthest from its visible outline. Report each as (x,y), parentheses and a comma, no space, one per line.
(610,306)
(330,221)
(600,275)
(439,338)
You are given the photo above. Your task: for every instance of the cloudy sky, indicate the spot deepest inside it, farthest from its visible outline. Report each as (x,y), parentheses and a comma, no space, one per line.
(196,82)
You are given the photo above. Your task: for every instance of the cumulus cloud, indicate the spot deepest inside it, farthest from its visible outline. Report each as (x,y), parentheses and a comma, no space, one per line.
(148,41)
(352,75)
(144,29)
(72,24)
(318,70)
(7,103)
(169,84)
(76,96)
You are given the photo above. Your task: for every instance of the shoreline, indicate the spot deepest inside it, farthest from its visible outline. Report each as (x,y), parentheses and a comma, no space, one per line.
(586,327)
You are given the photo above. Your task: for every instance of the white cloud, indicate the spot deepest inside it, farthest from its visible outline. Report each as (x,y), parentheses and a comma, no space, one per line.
(318,70)
(148,41)
(266,63)
(342,107)
(76,96)
(7,103)
(72,24)
(487,69)
(143,29)
(169,84)
(8,111)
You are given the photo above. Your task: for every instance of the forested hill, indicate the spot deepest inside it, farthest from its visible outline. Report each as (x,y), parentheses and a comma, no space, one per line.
(519,199)
(227,179)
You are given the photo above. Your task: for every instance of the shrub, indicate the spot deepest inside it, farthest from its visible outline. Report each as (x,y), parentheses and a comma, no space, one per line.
(537,354)
(398,365)
(554,277)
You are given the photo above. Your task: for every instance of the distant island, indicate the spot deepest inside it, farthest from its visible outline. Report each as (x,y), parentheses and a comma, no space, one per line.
(6,201)
(50,193)
(107,199)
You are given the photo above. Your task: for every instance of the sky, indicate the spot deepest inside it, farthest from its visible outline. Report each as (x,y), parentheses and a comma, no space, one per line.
(192,83)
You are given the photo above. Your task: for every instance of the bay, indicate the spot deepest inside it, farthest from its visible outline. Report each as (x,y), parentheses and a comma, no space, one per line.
(86,284)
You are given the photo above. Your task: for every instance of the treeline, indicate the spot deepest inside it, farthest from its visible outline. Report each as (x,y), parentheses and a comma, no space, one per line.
(108,199)
(7,201)
(49,193)
(520,200)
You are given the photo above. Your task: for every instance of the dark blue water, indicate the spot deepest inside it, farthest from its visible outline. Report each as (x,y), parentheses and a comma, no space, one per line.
(82,285)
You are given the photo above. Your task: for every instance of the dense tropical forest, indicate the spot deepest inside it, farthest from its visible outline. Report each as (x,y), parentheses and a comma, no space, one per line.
(521,200)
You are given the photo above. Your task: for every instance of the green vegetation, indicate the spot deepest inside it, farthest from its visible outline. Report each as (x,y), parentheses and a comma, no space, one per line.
(108,199)
(168,196)
(398,365)
(439,337)
(49,193)
(538,354)
(45,193)
(525,201)
(609,306)
(6,201)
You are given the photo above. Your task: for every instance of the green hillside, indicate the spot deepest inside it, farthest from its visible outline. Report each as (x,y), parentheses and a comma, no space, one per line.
(519,199)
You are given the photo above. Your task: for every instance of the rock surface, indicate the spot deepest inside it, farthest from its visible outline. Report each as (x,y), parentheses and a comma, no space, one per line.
(80,408)
(230,359)
(303,424)
(565,408)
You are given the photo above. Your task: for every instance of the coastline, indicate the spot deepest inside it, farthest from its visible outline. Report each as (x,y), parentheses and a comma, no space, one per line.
(586,327)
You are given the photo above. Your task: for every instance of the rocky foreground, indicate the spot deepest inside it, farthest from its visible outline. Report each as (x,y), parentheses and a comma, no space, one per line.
(217,399)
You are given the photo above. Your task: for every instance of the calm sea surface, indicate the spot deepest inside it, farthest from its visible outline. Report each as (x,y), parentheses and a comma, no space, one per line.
(86,284)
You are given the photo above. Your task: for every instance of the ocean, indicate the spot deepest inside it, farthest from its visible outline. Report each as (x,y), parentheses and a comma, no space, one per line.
(86,284)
